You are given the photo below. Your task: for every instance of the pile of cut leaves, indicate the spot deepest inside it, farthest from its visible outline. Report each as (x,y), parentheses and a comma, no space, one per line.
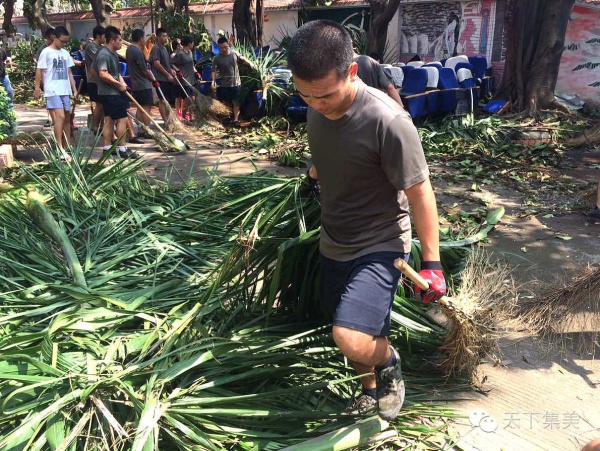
(137,316)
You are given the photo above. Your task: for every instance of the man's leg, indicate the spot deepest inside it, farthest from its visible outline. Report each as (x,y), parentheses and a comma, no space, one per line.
(97,116)
(236,111)
(360,293)
(121,129)
(162,108)
(58,118)
(364,351)
(9,90)
(107,131)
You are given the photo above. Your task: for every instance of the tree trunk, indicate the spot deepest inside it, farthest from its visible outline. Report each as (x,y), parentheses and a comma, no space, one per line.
(35,11)
(244,21)
(535,41)
(101,10)
(9,10)
(382,12)
(174,6)
(259,23)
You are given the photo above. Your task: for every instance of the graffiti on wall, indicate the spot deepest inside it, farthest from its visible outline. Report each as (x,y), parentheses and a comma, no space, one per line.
(578,72)
(436,30)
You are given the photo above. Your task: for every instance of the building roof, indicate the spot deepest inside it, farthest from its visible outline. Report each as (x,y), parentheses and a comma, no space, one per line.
(196,9)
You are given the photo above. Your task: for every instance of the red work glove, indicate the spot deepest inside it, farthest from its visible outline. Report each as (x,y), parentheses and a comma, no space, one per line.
(179,74)
(432,273)
(198,76)
(156,84)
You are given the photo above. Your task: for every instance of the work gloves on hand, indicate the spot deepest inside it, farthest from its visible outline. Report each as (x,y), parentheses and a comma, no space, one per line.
(179,74)
(156,84)
(432,272)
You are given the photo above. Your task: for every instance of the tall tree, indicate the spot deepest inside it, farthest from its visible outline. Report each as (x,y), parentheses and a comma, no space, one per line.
(244,21)
(382,12)
(174,6)
(9,10)
(101,10)
(35,11)
(535,31)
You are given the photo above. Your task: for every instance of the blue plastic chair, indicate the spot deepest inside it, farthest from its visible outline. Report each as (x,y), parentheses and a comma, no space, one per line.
(480,71)
(413,93)
(449,89)
(215,48)
(125,73)
(297,110)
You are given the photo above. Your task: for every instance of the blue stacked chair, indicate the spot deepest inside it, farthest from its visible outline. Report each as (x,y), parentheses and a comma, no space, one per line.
(449,90)
(205,88)
(480,71)
(432,90)
(125,73)
(406,69)
(297,110)
(413,93)
(215,48)
(467,82)
(77,71)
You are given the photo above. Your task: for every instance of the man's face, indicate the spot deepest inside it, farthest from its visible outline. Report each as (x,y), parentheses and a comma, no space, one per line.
(61,42)
(117,42)
(162,38)
(329,95)
(224,48)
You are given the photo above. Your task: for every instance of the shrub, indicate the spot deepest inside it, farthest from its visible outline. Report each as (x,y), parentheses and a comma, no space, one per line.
(8,120)
(22,71)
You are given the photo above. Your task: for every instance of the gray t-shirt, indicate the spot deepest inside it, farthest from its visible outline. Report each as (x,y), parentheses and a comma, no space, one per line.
(136,62)
(371,72)
(364,161)
(160,53)
(91,50)
(227,69)
(109,61)
(39,51)
(185,62)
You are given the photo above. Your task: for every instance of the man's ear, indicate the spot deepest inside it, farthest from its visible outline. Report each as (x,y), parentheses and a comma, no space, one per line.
(353,71)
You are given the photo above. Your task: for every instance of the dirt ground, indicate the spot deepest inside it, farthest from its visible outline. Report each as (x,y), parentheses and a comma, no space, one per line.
(534,397)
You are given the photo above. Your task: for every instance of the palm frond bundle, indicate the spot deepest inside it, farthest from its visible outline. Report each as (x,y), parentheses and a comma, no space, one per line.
(195,327)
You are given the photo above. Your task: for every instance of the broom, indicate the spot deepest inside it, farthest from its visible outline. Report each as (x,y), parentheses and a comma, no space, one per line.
(574,307)
(207,106)
(486,298)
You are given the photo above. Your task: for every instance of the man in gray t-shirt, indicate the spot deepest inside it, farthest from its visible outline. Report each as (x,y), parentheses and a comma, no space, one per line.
(160,62)
(111,93)
(140,76)
(372,74)
(370,167)
(91,50)
(226,64)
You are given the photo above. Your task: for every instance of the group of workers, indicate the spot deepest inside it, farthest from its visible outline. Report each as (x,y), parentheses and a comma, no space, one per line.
(168,76)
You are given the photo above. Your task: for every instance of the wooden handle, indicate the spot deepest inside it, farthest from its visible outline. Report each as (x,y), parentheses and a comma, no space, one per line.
(139,107)
(413,275)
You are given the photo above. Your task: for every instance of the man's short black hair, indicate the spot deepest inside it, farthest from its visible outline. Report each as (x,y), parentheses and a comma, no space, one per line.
(60,31)
(50,32)
(112,33)
(136,35)
(98,30)
(317,48)
(160,31)
(187,40)
(222,39)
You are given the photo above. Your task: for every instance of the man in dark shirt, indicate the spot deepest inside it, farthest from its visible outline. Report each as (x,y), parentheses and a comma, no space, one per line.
(372,74)
(371,165)
(160,61)
(140,76)
(111,93)
(226,64)
(91,50)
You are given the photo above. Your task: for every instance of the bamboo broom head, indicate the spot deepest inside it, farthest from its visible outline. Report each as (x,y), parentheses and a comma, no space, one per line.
(486,300)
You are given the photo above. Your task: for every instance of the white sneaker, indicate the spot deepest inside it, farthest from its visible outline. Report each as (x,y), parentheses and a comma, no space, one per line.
(65,156)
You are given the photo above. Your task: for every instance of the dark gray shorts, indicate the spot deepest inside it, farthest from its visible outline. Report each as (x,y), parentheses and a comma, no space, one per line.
(144,97)
(359,293)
